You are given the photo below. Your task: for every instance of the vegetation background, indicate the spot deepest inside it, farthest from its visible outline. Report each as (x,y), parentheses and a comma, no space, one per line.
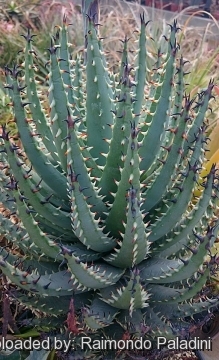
(199,45)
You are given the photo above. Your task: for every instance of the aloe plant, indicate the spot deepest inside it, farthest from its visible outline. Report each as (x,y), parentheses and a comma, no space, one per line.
(102,188)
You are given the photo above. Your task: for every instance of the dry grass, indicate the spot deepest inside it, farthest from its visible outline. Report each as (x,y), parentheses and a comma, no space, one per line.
(117,21)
